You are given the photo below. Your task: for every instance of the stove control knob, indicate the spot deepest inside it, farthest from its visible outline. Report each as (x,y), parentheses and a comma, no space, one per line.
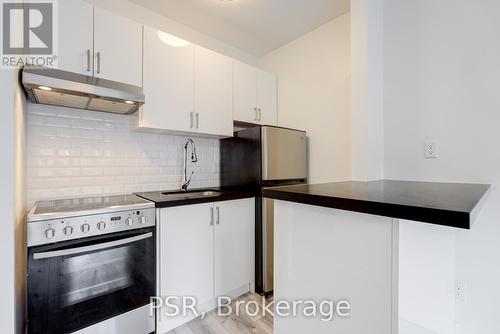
(68,230)
(50,233)
(85,228)
(130,221)
(101,225)
(142,220)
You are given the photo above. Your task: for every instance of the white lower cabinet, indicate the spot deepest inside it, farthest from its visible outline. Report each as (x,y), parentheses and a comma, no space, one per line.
(204,251)
(234,254)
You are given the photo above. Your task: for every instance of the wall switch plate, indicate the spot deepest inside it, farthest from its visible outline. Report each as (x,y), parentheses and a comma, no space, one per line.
(430,150)
(460,291)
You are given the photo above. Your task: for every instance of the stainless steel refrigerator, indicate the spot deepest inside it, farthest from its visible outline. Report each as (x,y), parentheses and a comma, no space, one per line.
(256,158)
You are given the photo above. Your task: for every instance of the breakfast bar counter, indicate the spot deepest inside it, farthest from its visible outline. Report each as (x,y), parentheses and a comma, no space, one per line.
(341,241)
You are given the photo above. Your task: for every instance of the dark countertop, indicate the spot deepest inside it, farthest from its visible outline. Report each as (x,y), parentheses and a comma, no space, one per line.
(448,204)
(163,201)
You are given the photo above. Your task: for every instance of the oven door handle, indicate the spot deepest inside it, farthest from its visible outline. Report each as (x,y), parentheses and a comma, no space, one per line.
(72,251)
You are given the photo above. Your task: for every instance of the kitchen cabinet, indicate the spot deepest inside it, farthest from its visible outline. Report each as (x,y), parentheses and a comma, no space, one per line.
(234,254)
(255,95)
(117,48)
(185,257)
(267,102)
(96,42)
(245,92)
(188,88)
(168,84)
(213,92)
(205,250)
(75,31)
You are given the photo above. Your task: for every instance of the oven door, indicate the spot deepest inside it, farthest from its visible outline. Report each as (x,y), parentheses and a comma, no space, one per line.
(79,283)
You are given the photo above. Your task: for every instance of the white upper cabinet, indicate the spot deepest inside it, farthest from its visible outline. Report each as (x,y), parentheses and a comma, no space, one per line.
(75,36)
(255,95)
(267,103)
(213,92)
(95,42)
(189,89)
(245,92)
(168,84)
(117,48)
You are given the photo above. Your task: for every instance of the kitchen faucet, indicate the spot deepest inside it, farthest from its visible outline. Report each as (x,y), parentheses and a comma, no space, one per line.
(194,158)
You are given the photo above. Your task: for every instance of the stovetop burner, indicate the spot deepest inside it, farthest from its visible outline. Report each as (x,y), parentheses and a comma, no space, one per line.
(85,206)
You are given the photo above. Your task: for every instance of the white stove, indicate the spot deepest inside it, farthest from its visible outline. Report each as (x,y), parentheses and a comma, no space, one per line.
(91,266)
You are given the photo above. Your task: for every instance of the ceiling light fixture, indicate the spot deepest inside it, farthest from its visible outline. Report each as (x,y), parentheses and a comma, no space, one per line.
(172,40)
(45,88)
(129,102)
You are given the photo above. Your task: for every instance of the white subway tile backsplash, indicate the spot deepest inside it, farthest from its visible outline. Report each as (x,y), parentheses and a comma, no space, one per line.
(74,153)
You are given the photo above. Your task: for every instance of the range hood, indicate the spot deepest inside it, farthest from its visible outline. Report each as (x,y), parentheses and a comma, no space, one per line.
(67,89)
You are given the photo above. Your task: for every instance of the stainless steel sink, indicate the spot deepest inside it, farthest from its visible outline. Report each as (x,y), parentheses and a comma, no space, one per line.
(192,194)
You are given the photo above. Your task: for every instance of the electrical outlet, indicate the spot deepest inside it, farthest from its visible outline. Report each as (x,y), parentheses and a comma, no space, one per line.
(430,150)
(460,291)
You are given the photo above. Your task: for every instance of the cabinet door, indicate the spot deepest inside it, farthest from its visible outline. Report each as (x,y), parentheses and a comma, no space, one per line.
(213,92)
(75,20)
(185,257)
(267,98)
(117,48)
(168,84)
(234,245)
(245,92)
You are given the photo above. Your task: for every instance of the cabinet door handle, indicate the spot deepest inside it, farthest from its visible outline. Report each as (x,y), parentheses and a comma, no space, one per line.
(211,216)
(98,62)
(256,118)
(260,114)
(197,120)
(191,120)
(88,60)
(217,221)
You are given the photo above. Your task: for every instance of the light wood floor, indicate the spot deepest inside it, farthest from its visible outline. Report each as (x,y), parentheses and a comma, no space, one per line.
(233,324)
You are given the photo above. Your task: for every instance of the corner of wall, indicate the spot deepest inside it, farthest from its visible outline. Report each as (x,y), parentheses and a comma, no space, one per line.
(20,105)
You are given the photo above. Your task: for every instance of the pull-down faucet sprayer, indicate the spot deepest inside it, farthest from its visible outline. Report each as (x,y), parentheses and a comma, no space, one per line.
(194,159)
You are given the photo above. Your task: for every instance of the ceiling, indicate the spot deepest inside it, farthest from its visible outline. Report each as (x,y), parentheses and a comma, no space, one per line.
(254,26)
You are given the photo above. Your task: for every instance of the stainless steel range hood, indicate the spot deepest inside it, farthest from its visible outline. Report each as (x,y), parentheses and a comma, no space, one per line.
(67,89)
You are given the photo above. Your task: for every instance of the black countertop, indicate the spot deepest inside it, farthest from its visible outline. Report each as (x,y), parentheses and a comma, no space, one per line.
(448,204)
(162,200)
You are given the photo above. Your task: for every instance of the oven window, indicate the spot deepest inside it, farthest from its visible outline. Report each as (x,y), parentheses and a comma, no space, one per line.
(70,292)
(93,275)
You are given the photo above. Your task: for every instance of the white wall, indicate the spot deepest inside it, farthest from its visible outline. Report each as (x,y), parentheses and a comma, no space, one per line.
(7,142)
(12,204)
(75,153)
(314,95)
(442,70)
(20,206)
(367,90)
(152,19)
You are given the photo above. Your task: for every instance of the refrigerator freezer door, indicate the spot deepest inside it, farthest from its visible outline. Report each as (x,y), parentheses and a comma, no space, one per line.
(284,154)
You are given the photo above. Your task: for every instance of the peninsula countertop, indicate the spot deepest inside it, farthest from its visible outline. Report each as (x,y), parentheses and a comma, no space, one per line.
(448,204)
